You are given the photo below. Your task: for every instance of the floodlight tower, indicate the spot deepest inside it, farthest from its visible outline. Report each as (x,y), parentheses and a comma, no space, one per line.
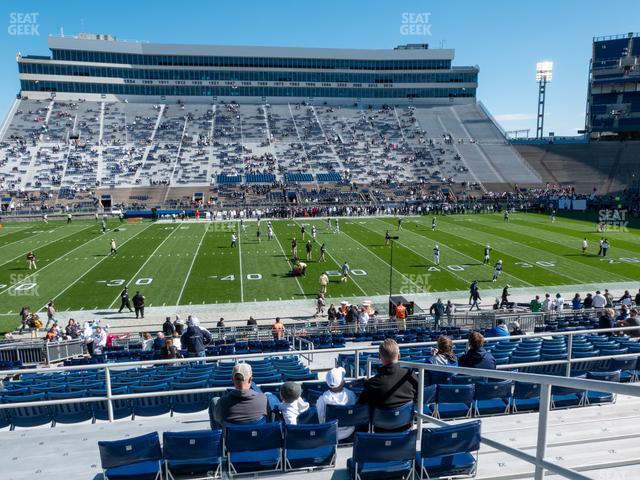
(544,72)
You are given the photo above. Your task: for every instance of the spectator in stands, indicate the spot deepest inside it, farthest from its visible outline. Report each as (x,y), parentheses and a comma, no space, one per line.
(626,299)
(576,302)
(332,315)
(500,330)
(599,300)
(278,329)
(176,340)
(443,355)
(158,342)
(449,310)
(393,385)
(535,304)
(588,301)
(292,404)
(363,319)
(240,405)
(624,313)
(475,298)
(220,323)
(99,340)
(168,328)
(637,299)
(169,350)
(608,297)
(195,339)
(336,395)
(476,356)
(558,306)
(252,322)
(504,299)
(515,329)
(401,316)
(631,321)
(51,314)
(546,304)
(607,319)
(437,310)
(179,325)
(72,329)
(147,342)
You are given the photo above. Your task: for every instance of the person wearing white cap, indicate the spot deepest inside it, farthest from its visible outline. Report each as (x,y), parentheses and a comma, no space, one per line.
(336,395)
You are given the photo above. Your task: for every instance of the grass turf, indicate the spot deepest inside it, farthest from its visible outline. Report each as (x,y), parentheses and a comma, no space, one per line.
(193,263)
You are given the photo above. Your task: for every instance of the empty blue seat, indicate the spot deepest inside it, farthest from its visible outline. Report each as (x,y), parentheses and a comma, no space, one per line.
(137,458)
(492,397)
(602,397)
(192,453)
(383,456)
(121,408)
(28,416)
(449,451)
(357,416)
(393,419)
(190,402)
(253,448)
(310,446)
(70,412)
(454,401)
(150,406)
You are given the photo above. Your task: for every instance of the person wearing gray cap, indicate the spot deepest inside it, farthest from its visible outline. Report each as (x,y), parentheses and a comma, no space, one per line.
(240,405)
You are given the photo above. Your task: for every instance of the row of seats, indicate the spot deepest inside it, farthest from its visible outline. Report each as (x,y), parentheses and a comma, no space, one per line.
(274,447)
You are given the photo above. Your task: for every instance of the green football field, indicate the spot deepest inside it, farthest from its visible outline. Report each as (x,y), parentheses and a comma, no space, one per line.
(194,263)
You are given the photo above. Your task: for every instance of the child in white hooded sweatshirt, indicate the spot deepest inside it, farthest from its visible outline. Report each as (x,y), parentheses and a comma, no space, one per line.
(336,395)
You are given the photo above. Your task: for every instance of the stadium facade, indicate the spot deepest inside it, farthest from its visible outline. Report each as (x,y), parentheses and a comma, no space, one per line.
(613,105)
(100,67)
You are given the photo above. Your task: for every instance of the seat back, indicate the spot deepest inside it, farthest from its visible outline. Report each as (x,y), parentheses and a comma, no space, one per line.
(393,418)
(309,446)
(263,440)
(455,393)
(524,390)
(384,447)
(449,440)
(195,445)
(119,453)
(348,415)
(493,390)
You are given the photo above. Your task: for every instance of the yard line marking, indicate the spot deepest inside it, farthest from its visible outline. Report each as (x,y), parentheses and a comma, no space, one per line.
(240,262)
(145,263)
(339,266)
(44,245)
(458,252)
(49,264)
(22,239)
(286,259)
(193,260)
(94,266)
(545,252)
(421,289)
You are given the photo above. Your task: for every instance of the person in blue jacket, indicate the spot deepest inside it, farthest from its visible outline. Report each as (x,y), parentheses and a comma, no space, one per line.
(476,356)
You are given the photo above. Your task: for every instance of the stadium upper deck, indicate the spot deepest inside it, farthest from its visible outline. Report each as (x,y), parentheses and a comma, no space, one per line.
(101,66)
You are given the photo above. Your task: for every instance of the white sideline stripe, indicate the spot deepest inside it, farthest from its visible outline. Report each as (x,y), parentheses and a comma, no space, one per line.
(21,239)
(49,264)
(340,266)
(94,266)
(145,263)
(240,262)
(41,246)
(193,260)
(286,259)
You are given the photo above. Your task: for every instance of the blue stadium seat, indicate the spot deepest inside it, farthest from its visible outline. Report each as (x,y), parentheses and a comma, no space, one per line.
(150,406)
(492,397)
(447,452)
(253,448)
(190,402)
(380,456)
(192,453)
(137,458)
(28,416)
(526,397)
(454,401)
(70,412)
(121,408)
(602,397)
(310,446)
(357,416)
(393,419)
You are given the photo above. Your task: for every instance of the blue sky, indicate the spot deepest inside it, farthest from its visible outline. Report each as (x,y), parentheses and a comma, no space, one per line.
(504,38)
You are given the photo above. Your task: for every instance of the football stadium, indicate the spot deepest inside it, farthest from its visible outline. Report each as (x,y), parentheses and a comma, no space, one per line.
(225,254)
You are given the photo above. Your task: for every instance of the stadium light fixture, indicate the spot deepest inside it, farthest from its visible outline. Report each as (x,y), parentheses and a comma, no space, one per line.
(544,73)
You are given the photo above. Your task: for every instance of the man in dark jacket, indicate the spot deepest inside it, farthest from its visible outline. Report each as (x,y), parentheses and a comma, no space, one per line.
(195,339)
(168,328)
(393,385)
(138,304)
(477,356)
(437,310)
(124,297)
(240,405)
(607,320)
